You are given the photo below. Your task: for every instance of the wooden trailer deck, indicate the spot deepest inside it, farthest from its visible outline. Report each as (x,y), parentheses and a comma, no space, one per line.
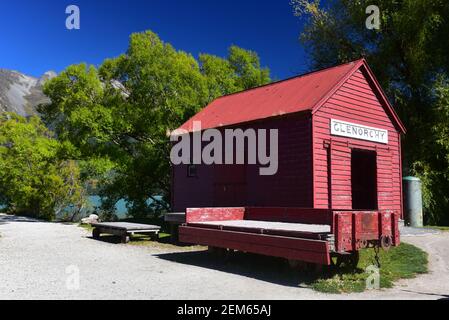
(309,235)
(297,230)
(124,230)
(270,225)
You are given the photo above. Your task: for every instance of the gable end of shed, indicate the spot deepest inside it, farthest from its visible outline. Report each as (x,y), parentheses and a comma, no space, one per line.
(361,83)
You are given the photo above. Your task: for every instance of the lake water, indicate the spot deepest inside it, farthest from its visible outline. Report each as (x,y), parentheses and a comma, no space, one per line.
(120,207)
(95,202)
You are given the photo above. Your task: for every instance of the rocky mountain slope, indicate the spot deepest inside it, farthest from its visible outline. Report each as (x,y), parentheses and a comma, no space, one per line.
(20,93)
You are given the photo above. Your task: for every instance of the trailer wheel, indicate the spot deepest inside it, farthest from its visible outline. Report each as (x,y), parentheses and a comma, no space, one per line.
(306,267)
(212,250)
(217,252)
(295,264)
(354,259)
(125,239)
(96,233)
(386,242)
(348,260)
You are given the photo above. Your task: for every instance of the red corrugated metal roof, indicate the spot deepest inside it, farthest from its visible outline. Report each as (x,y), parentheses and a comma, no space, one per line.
(297,94)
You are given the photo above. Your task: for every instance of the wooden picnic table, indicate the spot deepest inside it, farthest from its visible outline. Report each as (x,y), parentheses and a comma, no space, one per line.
(124,230)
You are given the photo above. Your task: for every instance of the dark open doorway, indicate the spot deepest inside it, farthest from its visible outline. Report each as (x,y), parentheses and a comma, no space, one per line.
(364,179)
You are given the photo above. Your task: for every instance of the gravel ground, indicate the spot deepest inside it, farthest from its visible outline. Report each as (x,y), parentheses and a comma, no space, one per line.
(408,231)
(41,260)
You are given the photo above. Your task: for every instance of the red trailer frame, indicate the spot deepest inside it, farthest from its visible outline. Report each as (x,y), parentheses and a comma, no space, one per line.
(349,231)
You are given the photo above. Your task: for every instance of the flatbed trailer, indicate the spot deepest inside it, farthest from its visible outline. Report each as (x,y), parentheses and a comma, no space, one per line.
(297,234)
(124,230)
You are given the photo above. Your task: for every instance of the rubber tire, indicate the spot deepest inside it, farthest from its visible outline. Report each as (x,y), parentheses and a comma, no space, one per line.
(350,260)
(294,264)
(354,259)
(386,242)
(96,233)
(125,239)
(217,252)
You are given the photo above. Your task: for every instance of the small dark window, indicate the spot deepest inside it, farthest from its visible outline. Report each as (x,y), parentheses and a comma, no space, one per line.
(192,171)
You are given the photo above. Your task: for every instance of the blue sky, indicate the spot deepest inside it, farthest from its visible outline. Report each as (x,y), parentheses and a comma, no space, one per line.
(34,38)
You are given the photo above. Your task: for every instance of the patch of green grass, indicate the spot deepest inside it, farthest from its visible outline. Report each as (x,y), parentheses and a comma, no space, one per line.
(164,246)
(88,227)
(405,261)
(141,237)
(163,235)
(163,243)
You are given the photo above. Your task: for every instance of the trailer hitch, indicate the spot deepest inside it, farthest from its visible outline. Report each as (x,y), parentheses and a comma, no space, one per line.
(376,255)
(385,242)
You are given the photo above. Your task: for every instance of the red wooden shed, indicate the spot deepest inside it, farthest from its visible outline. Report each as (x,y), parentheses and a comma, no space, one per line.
(320,165)
(339,150)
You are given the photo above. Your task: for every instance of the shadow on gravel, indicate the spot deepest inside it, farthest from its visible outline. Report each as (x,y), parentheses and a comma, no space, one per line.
(138,240)
(164,240)
(269,269)
(4,219)
(443,297)
(107,238)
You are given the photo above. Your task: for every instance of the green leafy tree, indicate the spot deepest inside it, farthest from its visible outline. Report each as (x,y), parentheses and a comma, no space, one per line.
(116,118)
(408,53)
(240,70)
(33,178)
(246,65)
(220,76)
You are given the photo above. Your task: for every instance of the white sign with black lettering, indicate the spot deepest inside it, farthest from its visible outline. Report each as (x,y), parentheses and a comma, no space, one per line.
(358,131)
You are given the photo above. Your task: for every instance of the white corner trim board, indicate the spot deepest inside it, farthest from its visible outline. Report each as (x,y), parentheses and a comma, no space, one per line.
(358,131)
